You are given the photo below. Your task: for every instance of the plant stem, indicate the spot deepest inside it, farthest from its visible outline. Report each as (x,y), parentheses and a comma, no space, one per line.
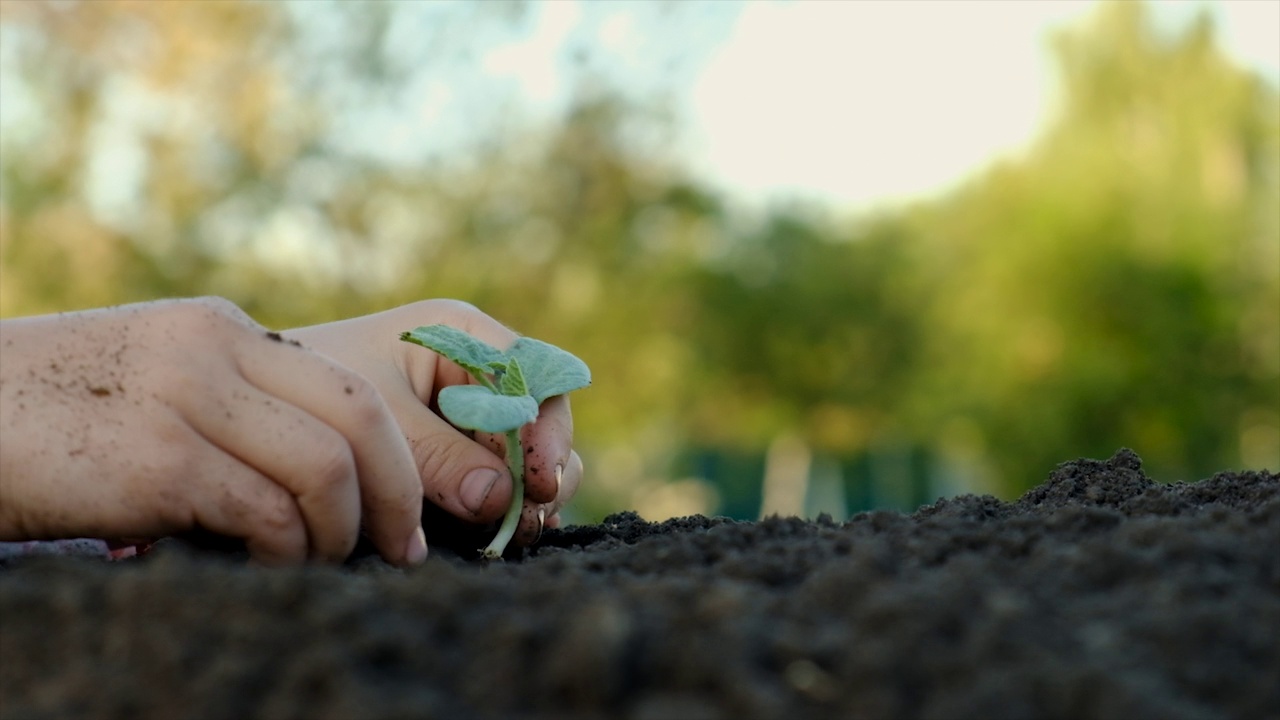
(485,381)
(515,461)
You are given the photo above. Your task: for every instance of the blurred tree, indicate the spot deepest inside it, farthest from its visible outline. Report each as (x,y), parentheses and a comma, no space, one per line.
(803,328)
(1121,285)
(179,99)
(158,149)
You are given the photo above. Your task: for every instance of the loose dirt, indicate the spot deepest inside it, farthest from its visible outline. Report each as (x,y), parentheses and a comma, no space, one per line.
(1099,594)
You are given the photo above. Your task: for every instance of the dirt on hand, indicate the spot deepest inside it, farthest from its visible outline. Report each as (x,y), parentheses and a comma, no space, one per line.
(1099,594)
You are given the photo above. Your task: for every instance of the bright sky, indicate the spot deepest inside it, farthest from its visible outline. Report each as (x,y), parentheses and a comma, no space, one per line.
(861,102)
(854,103)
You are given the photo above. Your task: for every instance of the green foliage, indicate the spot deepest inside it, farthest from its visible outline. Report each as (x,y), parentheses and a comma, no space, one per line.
(476,407)
(813,323)
(544,370)
(476,357)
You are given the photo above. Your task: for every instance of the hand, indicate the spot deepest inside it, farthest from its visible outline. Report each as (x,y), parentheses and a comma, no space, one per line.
(152,419)
(464,473)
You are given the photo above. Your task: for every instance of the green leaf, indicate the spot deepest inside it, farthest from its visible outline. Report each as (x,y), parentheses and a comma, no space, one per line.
(474,356)
(547,369)
(474,407)
(512,382)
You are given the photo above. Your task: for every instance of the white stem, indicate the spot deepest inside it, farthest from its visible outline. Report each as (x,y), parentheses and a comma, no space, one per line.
(515,461)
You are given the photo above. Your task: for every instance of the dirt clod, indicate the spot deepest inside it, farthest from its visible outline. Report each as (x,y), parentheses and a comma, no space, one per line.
(277,337)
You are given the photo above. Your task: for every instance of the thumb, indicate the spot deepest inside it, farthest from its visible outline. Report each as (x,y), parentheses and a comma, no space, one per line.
(458,474)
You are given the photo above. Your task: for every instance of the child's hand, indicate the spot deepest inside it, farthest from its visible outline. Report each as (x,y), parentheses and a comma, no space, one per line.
(467,477)
(147,420)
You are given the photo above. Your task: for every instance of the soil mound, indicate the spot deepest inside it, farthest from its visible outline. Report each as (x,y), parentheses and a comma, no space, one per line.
(1099,594)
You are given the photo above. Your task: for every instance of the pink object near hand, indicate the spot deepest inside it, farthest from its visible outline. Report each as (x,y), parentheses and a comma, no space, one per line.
(81,547)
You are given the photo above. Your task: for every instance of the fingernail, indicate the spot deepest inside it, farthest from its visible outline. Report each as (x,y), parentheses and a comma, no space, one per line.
(542,522)
(559,476)
(416,552)
(476,486)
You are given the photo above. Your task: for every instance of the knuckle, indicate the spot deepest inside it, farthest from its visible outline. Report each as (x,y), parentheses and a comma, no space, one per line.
(268,518)
(276,514)
(332,467)
(216,303)
(367,407)
(208,319)
(219,309)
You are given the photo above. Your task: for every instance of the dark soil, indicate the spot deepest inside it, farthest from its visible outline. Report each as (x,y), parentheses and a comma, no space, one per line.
(1099,594)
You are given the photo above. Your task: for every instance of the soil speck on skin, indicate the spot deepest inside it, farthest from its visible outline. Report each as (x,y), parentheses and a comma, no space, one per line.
(1098,594)
(273,335)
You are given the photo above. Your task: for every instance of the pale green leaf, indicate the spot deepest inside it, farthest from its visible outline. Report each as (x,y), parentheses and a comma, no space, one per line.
(471,354)
(474,407)
(547,369)
(512,382)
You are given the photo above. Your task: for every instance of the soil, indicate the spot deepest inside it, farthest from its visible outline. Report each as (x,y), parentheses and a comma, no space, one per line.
(1099,594)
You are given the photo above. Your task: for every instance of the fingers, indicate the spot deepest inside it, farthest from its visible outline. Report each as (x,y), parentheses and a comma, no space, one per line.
(456,473)
(311,462)
(231,498)
(569,484)
(389,489)
(538,517)
(185,412)
(532,518)
(449,462)
(548,461)
(469,478)
(446,457)
(547,444)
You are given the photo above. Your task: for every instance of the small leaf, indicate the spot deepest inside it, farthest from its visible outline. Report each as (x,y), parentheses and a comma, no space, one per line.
(513,380)
(474,407)
(471,354)
(547,369)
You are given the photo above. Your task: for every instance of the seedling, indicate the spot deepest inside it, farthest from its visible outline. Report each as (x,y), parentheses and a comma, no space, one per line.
(512,385)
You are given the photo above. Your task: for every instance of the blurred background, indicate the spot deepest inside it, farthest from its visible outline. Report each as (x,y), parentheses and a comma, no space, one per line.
(821,257)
